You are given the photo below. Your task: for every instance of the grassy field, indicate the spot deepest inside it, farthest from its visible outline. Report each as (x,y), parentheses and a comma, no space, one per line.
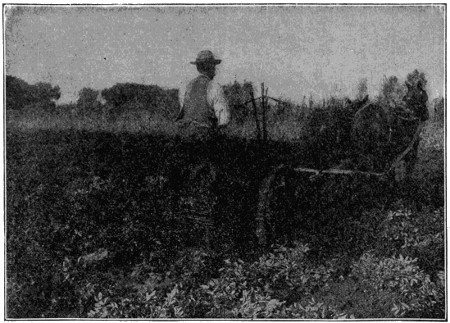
(99,224)
(138,122)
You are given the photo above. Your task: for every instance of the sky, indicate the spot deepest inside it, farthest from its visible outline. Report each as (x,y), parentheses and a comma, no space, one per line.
(297,51)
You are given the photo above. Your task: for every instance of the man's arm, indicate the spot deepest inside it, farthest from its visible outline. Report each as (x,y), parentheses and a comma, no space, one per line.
(216,98)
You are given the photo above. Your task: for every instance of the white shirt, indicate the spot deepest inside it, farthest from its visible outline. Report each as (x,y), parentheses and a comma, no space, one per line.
(215,98)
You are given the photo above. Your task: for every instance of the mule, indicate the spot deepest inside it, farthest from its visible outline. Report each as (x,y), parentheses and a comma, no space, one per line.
(379,134)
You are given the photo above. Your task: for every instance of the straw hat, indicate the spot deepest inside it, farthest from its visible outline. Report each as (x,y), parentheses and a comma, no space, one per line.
(206,56)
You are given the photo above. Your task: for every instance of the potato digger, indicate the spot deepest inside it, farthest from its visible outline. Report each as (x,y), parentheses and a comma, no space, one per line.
(272,195)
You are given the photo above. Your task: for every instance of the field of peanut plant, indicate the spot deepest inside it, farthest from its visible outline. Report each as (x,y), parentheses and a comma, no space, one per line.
(99,225)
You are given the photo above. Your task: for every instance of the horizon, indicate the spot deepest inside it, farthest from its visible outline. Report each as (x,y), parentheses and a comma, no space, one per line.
(255,87)
(297,51)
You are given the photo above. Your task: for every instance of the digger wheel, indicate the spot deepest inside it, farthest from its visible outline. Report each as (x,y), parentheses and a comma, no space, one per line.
(274,211)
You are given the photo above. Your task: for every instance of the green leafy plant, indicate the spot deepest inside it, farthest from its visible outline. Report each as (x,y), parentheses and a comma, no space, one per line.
(416,235)
(397,283)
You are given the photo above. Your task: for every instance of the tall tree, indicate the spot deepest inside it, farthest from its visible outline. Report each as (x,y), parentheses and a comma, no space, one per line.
(20,94)
(16,92)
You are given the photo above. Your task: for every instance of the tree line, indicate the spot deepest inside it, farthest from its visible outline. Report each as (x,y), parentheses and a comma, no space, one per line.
(121,97)
(132,96)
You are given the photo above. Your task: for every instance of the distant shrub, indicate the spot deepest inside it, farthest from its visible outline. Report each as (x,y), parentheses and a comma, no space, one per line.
(20,94)
(16,92)
(67,108)
(153,98)
(88,101)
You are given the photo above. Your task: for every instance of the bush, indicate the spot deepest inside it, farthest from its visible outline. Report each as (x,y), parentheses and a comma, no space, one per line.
(158,101)
(417,235)
(88,101)
(396,287)
(20,94)
(386,287)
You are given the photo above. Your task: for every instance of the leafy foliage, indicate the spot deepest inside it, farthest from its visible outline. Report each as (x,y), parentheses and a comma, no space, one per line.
(415,77)
(93,230)
(20,94)
(125,96)
(392,93)
(283,285)
(87,100)
(418,236)
(243,290)
(398,285)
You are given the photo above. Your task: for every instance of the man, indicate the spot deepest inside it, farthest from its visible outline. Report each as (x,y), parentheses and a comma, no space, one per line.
(204,108)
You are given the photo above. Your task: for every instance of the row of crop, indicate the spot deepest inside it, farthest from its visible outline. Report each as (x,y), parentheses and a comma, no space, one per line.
(56,258)
(76,197)
(280,284)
